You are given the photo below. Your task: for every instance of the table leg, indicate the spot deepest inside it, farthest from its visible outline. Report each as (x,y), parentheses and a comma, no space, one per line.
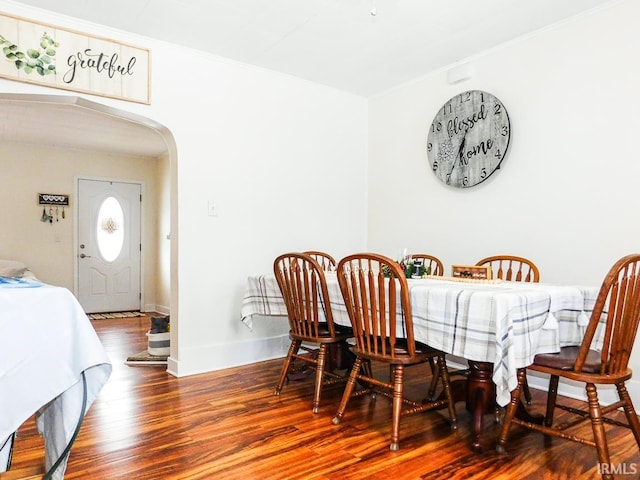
(479,393)
(480,398)
(339,357)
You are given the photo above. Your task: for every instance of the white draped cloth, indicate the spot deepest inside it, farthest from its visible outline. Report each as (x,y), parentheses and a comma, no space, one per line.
(504,323)
(47,342)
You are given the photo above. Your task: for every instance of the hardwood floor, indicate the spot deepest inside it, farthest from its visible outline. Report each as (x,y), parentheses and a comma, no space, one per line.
(147,424)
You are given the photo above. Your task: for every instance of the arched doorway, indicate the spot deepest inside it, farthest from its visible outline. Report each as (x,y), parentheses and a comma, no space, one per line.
(76,123)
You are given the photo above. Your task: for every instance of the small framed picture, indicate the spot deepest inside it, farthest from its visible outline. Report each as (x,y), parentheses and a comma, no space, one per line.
(472,272)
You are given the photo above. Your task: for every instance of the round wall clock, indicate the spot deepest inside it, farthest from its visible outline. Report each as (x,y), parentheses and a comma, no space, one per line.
(468,139)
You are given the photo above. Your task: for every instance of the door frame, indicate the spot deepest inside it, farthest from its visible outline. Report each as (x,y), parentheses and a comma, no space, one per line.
(74,103)
(143,233)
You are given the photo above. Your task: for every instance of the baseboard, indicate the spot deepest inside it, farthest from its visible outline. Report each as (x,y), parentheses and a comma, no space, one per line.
(157,309)
(220,356)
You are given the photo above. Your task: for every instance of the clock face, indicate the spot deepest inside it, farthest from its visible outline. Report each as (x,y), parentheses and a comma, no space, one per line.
(468,139)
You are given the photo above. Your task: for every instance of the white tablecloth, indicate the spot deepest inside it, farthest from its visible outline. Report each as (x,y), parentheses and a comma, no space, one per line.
(504,323)
(46,343)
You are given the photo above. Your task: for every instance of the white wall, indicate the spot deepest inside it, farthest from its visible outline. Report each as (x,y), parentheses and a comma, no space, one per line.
(284,160)
(48,248)
(285,163)
(567,195)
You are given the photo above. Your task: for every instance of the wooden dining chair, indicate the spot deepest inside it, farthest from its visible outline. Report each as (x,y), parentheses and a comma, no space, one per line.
(616,314)
(304,289)
(326,261)
(379,309)
(433,264)
(511,268)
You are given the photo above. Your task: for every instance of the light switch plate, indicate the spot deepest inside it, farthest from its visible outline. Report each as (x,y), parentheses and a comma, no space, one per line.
(212,209)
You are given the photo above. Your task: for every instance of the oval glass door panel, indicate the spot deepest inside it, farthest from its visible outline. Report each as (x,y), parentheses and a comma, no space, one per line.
(110,229)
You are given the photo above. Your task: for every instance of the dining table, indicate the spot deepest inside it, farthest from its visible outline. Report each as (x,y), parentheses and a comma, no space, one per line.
(497,326)
(52,368)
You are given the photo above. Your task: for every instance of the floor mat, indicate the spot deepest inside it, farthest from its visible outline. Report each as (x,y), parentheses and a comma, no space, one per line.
(146,359)
(103,316)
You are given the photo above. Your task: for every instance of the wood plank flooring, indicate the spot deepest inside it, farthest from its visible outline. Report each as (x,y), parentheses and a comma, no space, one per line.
(147,424)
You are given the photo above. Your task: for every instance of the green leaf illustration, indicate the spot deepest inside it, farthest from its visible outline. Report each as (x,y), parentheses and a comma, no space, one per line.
(42,60)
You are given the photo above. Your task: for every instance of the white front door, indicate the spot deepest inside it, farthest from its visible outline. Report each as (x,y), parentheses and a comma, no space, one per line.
(109,245)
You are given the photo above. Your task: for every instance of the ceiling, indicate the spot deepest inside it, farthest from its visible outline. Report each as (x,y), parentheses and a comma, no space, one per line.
(338,43)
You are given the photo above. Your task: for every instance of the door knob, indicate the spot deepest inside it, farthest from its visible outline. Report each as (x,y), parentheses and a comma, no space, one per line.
(82,255)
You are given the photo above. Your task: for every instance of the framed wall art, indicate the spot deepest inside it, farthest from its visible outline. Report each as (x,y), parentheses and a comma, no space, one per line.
(60,58)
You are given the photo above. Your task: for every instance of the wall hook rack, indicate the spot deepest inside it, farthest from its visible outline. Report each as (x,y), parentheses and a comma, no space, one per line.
(53,199)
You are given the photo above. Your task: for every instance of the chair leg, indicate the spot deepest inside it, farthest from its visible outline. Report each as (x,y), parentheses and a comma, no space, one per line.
(435,374)
(630,412)
(293,349)
(525,391)
(597,425)
(398,390)
(348,390)
(552,395)
(512,408)
(443,373)
(320,365)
